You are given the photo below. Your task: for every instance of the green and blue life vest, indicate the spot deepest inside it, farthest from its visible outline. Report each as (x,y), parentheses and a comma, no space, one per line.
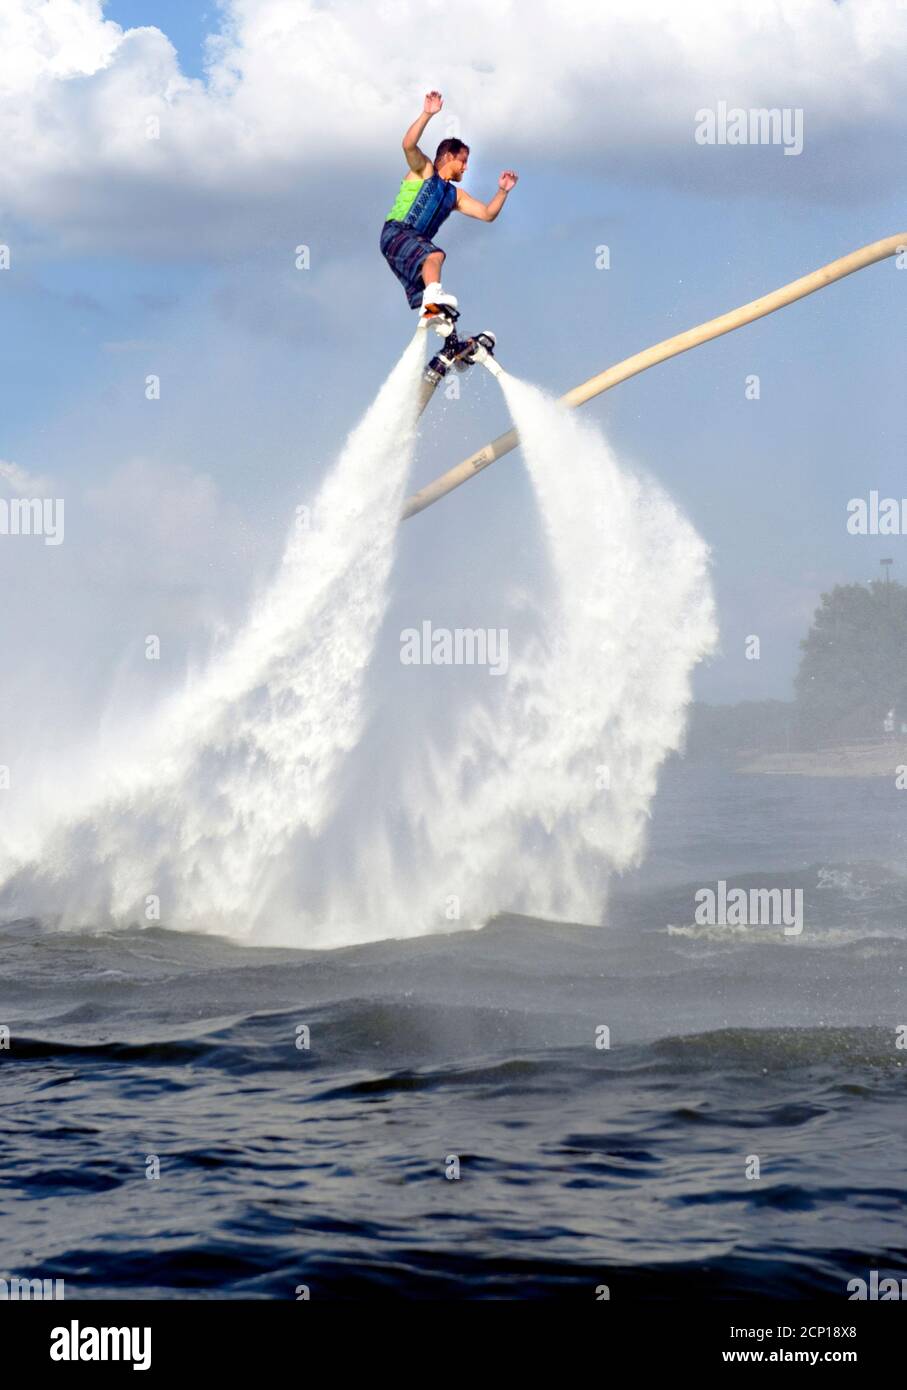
(424,204)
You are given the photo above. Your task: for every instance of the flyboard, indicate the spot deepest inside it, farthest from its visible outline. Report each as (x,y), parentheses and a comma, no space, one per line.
(459,353)
(650,357)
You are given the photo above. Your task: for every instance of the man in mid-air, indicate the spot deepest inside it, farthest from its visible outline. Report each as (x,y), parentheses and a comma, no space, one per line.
(426,198)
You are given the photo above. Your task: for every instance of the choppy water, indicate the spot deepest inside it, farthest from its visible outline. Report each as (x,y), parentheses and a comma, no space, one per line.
(579,1166)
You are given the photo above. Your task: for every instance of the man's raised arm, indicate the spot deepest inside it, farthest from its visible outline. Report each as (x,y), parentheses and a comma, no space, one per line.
(415,158)
(487,212)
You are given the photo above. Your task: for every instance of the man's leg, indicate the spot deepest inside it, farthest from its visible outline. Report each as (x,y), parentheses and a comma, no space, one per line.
(431,268)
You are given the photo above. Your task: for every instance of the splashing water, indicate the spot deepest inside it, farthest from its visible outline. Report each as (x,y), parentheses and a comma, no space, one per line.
(255,807)
(235,764)
(543,787)
(630,613)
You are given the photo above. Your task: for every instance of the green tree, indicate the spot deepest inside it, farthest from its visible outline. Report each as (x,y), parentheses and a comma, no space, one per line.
(854,664)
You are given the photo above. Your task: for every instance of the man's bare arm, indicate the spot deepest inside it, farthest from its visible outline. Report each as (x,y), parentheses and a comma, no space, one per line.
(487,212)
(417,160)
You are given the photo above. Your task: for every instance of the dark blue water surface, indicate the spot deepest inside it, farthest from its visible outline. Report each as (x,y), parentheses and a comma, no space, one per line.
(732,1050)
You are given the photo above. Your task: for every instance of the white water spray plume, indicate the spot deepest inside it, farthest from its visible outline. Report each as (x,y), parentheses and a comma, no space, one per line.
(199,814)
(251,806)
(544,786)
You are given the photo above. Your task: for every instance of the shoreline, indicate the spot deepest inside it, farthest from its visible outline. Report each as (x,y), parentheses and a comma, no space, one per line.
(880,759)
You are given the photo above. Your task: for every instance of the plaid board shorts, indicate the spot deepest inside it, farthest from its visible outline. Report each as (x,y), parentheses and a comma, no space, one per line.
(405,250)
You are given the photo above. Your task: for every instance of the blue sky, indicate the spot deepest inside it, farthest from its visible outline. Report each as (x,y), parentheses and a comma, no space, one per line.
(175,257)
(187,23)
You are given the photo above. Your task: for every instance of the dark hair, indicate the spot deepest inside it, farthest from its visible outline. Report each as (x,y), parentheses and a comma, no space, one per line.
(452,147)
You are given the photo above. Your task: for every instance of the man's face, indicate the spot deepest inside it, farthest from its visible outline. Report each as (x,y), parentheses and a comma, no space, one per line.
(458,165)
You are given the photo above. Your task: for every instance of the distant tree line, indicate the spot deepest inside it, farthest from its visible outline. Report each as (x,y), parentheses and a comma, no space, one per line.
(719,731)
(853,671)
(851,685)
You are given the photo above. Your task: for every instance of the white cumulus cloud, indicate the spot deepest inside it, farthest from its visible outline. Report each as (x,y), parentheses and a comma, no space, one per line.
(20,481)
(108,144)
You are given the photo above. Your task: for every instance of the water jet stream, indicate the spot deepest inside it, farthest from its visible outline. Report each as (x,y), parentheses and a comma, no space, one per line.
(650,357)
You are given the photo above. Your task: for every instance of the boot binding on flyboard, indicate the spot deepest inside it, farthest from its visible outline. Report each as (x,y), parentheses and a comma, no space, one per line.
(458,352)
(439,309)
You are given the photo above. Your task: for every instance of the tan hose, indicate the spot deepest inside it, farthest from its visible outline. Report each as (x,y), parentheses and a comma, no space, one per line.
(681,342)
